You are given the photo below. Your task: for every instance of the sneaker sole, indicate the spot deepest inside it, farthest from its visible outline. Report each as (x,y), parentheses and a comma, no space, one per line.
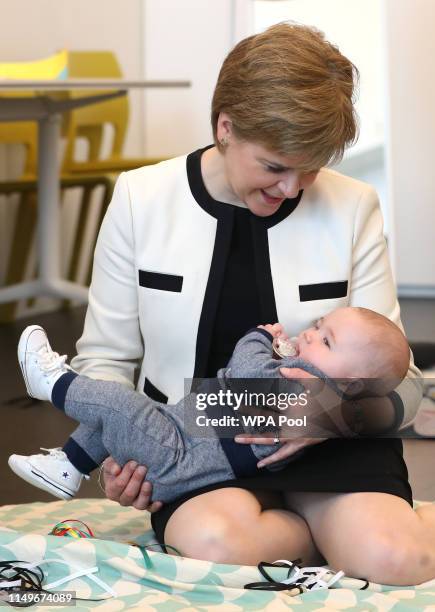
(22,350)
(39,480)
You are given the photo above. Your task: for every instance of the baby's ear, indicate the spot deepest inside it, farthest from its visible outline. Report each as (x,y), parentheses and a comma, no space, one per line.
(352,386)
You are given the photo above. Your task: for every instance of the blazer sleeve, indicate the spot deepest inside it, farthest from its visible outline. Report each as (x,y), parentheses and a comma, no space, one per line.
(372,286)
(111,347)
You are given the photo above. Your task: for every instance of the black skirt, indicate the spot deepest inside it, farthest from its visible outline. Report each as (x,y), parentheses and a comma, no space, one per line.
(336,466)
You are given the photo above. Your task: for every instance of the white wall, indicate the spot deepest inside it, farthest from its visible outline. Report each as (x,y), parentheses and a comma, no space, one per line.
(183,40)
(410,48)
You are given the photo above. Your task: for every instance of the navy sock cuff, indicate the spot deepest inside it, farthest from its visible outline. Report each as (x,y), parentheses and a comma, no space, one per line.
(60,389)
(79,457)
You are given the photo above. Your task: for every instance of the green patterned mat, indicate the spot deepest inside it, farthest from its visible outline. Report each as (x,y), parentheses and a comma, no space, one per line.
(171,583)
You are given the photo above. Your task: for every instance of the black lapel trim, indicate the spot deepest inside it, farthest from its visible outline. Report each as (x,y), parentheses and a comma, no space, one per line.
(215,208)
(286,209)
(224,213)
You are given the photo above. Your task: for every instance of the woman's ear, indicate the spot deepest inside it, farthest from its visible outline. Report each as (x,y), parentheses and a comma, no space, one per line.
(224,127)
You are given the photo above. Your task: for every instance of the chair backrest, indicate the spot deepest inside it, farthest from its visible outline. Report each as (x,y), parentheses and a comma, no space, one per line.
(26,132)
(89,122)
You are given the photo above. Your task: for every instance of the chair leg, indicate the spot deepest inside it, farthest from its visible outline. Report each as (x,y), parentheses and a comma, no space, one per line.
(23,235)
(79,237)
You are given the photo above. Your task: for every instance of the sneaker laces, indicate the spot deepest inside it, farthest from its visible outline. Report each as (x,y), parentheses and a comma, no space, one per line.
(50,361)
(58,453)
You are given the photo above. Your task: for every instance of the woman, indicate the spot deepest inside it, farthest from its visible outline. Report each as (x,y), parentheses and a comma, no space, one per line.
(196,250)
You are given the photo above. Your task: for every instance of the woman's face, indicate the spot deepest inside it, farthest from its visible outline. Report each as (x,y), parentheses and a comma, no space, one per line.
(262,179)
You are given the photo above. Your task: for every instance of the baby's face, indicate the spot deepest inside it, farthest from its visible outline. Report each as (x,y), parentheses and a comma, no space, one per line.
(336,344)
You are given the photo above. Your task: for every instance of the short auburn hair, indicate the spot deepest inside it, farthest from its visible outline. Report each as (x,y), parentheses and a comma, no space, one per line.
(291,91)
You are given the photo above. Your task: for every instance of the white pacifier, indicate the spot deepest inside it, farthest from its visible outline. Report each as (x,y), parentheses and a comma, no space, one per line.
(285,347)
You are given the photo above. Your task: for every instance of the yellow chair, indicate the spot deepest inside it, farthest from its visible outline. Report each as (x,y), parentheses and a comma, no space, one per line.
(53,67)
(89,123)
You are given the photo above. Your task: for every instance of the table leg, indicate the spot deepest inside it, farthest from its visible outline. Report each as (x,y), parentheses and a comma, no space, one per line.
(48,198)
(49,281)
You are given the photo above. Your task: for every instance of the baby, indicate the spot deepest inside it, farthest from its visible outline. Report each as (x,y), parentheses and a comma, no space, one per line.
(366,351)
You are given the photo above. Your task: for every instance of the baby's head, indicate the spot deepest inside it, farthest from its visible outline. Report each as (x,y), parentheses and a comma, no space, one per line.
(360,344)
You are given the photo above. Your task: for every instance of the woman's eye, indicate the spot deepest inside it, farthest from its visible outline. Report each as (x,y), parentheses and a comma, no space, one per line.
(326,342)
(274,169)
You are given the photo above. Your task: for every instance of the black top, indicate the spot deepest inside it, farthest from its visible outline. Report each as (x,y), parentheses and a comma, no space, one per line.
(239,304)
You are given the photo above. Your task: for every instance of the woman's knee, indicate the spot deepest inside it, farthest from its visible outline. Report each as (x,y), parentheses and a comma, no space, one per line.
(388,559)
(403,561)
(211,532)
(231,527)
(214,540)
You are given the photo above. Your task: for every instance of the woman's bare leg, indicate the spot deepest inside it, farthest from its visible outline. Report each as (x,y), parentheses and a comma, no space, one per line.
(233,525)
(376,536)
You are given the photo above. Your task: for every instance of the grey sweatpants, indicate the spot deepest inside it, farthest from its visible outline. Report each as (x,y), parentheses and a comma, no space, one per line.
(131,426)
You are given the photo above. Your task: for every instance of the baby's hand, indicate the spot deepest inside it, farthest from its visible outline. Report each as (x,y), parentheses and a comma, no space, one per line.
(276,330)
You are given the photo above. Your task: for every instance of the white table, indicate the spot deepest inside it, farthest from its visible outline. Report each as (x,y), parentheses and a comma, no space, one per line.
(46,107)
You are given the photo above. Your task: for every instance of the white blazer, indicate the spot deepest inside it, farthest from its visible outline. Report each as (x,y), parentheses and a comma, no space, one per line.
(160,256)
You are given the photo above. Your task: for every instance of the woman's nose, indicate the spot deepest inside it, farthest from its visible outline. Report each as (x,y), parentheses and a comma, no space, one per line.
(290,185)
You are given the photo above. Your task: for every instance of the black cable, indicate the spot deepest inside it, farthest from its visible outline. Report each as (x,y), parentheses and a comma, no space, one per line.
(274,585)
(31,581)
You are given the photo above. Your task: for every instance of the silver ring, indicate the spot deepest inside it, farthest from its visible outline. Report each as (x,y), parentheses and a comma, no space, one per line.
(276,440)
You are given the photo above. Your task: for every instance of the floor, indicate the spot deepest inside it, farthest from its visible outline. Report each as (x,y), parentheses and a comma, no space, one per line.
(28,425)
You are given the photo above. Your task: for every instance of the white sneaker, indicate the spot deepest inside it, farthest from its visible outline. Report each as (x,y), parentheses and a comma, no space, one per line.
(40,365)
(53,472)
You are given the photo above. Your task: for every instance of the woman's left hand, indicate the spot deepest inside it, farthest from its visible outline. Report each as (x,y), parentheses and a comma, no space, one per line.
(321,399)
(287,448)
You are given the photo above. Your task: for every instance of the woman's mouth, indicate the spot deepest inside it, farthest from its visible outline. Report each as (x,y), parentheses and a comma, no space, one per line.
(271,200)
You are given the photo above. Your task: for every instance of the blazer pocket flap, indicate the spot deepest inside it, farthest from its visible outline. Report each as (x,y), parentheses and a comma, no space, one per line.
(162,282)
(323,291)
(154,393)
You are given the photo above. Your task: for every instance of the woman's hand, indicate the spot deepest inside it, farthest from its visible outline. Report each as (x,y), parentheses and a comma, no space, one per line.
(128,486)
(324,419)
(288,448)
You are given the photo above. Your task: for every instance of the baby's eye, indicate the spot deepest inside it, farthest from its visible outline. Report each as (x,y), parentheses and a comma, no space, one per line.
(326,342)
